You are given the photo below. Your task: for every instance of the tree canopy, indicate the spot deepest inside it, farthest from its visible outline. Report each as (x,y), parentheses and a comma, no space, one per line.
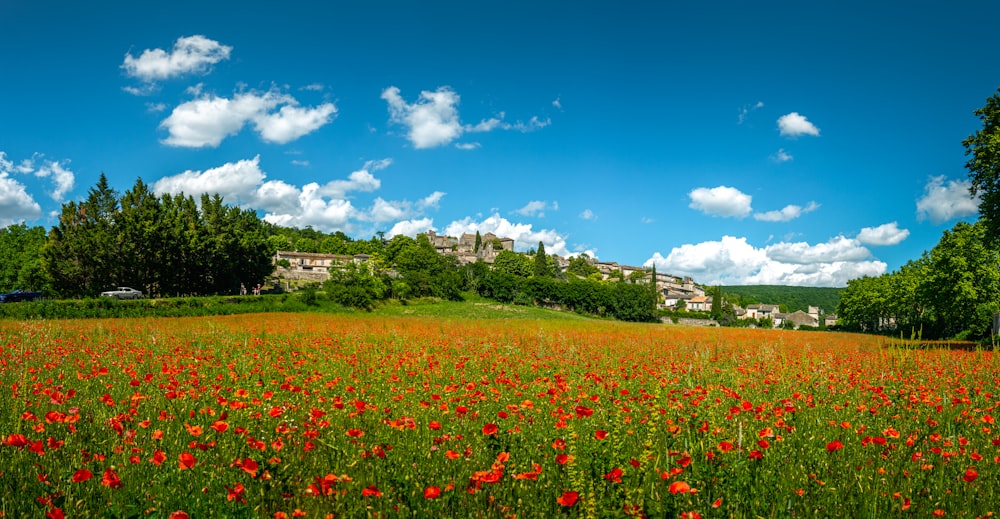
(983,148)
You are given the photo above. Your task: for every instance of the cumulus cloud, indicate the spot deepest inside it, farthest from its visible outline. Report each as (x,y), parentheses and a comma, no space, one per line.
(795,124)
(433,120)
(191,54)
(62,178)
(946,201)
(276,117)
(326,206)
(733,261)
(535,208)
(524,235)
(411,228)
(885,234)
(787,214)
(721,201)
(16,205)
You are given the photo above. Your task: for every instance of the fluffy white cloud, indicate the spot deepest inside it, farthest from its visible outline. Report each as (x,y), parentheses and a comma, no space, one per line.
(721,201)
(190,54)
(788,213)
(885,234)
(524,236)
(733,261)
(208,119)
(411,228)
(534,208)
(942,202)
(433,119)
(323,206)
(16,205)
(62,178)
(795,124)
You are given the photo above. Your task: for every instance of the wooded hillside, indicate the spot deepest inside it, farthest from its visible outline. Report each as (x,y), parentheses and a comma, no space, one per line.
(794,298)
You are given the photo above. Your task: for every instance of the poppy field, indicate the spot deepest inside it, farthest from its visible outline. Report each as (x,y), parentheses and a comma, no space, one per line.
(304,415)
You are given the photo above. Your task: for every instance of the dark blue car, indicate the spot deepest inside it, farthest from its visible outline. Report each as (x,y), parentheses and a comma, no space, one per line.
(19,295)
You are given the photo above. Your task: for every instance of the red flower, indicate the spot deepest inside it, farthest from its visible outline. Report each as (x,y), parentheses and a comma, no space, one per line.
(970,475)
(834,446)
(220,426)
(249,466)
(158,457)
(355,433)
(432,492)
(490,428)
(16,440)
(679,487)
(187,460)
(82,475)
(371,491)
(615,475)
(235,493)
(180,514)
(55,513)
(568,498)
(563,459)
(110,479)
(584,412)
(434,425)
(600,434)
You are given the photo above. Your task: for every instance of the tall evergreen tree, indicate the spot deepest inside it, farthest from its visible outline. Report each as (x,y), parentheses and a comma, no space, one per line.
(541,266)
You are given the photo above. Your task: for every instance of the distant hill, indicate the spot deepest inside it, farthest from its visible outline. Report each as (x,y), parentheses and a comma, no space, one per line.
(795,298)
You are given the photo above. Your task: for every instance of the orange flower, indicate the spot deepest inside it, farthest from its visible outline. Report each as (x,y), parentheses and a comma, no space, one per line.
(679,487)
(432,492)
(568,498)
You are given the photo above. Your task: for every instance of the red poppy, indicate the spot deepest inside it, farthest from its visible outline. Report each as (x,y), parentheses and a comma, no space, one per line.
(615,475)
(158,457)
(249,466)
(563,459)
(82,475)
(186,460)
(490,428)
(180,514)
(235,493)
(55,513)
(434,425)
(16,440)
(220,426)
(355,433)
(371,491)
(432,492)
(834,446)
(583,411)
(600,434)
(970,475)
(110,479)
(568,498)
(679,487)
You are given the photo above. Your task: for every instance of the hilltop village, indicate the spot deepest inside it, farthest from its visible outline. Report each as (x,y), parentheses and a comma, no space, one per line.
(675,292)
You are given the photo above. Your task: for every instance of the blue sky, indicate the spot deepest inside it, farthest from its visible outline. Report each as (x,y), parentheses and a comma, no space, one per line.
(800,143)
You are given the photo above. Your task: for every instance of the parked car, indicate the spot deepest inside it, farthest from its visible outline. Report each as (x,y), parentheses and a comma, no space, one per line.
(123,293)
(19,295)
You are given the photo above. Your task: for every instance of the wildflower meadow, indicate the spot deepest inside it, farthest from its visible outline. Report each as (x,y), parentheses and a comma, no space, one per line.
(310,415)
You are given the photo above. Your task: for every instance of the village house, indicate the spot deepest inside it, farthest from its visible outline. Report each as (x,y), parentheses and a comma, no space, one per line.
(312,266)
(759,311)
(700,304)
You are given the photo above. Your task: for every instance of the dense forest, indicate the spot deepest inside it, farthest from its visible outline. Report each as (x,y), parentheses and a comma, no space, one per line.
(789,298)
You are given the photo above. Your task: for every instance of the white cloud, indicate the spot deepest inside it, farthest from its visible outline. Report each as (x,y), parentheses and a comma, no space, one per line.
(191,54)
(534,208)
(433,119)
(467,145)
(721,201)
(557,103)
(788,213)
(885,234)
(325,207)
(16,205)
(208,119)
(411,228)
(782,156)
(942,202)
(733,261)
(62,178)
(524,236)
(794,124)
(431,201)
(587,214)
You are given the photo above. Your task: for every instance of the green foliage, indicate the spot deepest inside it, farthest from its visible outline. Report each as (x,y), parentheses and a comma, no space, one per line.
(983,147)
(794,298)
(513,263)
(21,259)
(541,263)
(581,266)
